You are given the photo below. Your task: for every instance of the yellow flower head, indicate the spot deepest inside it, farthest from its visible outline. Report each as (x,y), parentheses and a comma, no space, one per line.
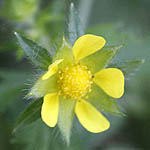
(71,77)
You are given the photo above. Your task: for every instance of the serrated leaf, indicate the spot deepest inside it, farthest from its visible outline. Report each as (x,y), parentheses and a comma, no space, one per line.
(128,67)
(75,29)
(66,115)
(101,58)
(39,56)
(103,102)
(29,115)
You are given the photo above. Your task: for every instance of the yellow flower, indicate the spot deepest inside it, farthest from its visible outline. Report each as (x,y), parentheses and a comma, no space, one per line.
(72,77)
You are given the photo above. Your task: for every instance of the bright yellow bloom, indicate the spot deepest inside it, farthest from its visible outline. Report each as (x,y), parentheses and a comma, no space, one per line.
(74,80)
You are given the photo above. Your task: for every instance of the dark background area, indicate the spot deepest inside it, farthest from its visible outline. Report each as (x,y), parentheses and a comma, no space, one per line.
(120,22)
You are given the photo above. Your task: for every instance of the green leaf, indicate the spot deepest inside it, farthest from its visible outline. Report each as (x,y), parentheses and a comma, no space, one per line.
(66,115)
(74,26)
(39,56)
(128,67)
(101,58)
(103,102)
(29,115)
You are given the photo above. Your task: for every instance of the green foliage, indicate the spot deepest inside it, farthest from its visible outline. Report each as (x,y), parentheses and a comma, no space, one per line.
(29,115)
(39,56)
(74,25)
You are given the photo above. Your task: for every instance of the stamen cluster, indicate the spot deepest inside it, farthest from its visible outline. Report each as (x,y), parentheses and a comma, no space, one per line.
(75,81)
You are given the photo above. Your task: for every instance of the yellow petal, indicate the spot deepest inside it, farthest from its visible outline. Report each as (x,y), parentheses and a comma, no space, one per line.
(111,80)
(87,45)
(50,109)
(52,69)
(90,118)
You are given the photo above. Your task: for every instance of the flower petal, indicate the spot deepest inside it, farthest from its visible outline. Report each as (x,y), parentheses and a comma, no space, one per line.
(90,118)
(111,80)
(50,109)
(52,69)
(87,45)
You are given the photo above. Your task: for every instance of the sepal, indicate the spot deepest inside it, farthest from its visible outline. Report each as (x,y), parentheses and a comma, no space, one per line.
(43,87)
(66,117)
(64,52)
(100,59)
(103,102)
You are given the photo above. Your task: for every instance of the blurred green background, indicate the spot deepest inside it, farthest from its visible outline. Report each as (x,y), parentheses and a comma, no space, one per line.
(120,22)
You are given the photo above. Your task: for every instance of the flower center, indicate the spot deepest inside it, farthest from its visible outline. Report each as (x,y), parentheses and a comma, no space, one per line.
(75,81)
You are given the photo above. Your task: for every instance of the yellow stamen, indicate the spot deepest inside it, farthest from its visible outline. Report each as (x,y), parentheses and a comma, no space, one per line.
(75,81)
